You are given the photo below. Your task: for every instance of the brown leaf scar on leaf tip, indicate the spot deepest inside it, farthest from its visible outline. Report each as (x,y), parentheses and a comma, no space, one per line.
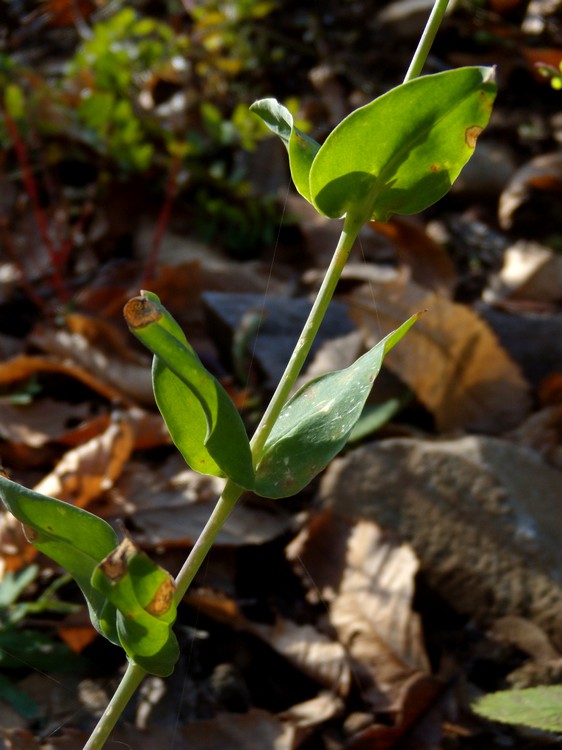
(114,566)
(471,135)
(140,312)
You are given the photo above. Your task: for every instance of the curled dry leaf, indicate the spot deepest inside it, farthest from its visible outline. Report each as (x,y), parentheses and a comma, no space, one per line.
(96,347)
(450,359)
(321,658)
(367,581)
(24,366)
(534,190)
(85,472)
(40,422)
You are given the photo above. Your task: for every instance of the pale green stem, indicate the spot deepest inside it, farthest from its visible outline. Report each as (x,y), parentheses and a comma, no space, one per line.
(125,691)
(217,519)
(226,503)
(351,228)
(134,674)
(426,40)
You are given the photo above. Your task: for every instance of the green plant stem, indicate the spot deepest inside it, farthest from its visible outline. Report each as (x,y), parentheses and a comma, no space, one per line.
(125,691)
(217,519)
(426,40)
(351,227)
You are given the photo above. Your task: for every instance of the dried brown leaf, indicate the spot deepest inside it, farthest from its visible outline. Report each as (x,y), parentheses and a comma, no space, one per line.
(22,367)
(40,422)
(304,646)
(170,505)
(91,348)
(86,472)
(450,359)
(368,580)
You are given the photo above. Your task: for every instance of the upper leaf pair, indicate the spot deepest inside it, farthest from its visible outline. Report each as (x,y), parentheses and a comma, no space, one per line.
(398,154)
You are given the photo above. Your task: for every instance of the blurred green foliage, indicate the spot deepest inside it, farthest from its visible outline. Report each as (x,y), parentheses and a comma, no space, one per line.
(31,648)
(140,95)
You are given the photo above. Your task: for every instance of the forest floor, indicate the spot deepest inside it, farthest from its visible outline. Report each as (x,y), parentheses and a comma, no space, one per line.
(422,569)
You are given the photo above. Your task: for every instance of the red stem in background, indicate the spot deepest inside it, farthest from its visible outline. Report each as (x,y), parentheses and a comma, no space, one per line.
(33,193)
(163,219)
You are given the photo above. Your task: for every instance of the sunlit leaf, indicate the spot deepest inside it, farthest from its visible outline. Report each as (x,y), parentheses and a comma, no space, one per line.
(537,707)
(403,151)
(301,147)
(75,539)
(143,595)
(200,416)
(316,423)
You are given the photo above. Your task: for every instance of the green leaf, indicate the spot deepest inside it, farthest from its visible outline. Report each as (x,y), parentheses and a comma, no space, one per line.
(301,147)
(75,539)
(13,585)
(376,416)
(316,422)
(143,595)
(403,151)
(200,416)
(539,707)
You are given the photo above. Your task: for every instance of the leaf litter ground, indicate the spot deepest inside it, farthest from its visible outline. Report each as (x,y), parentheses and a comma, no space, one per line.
(362,613)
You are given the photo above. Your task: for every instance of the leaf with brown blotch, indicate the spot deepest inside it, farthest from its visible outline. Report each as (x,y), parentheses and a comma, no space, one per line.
(85,472)
(451,359)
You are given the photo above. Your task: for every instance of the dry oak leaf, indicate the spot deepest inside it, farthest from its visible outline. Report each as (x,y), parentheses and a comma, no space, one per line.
(86,472)
(321,658)
(451,359)
(367,582)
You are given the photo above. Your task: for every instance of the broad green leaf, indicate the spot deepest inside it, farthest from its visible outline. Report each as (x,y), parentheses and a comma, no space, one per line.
(316,422)
(143,595)
(200,416)
(538,707)
(301,147)
(75,539)
(402,152)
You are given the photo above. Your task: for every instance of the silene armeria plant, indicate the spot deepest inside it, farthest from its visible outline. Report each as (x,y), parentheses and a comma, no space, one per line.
(396,155)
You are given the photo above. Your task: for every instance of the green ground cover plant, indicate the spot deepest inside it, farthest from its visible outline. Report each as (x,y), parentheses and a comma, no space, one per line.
(398,154)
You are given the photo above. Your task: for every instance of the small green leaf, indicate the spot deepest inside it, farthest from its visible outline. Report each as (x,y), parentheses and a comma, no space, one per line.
(14,101)
(301,147)
(75,539)
(539,707)
(200,416)
(316,422)
(402,152)
(143,595)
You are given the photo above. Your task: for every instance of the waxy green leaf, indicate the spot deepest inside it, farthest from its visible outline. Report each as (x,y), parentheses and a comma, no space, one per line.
(143,595)
(398,154)
(316,422)
(301,148)
(200,416)
(75,539)
(537,707)
(403,151)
